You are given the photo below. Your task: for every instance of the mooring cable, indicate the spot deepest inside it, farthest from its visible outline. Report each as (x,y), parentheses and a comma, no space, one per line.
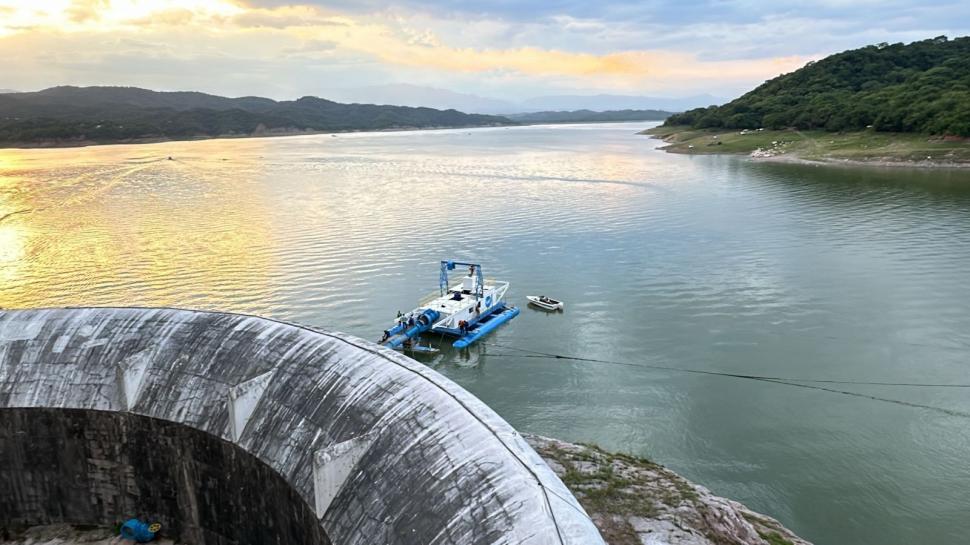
(549,355)
(812,384)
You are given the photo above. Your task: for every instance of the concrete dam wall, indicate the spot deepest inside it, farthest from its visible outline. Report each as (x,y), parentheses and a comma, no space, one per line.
(232,429)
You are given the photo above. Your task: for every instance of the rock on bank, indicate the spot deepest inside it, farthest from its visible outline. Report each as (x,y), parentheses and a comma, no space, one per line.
(637,502)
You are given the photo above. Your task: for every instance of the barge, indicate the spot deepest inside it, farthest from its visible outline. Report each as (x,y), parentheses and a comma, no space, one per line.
(467,310)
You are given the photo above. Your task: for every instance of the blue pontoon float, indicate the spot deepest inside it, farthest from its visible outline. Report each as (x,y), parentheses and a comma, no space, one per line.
(468,310)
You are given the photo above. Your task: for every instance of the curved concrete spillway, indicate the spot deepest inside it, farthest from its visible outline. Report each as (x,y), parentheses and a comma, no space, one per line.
(176,414)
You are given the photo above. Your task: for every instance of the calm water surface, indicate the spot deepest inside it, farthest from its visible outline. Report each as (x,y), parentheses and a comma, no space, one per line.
(711,263)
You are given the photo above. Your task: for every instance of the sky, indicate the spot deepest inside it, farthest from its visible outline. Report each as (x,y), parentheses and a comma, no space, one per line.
(507,49)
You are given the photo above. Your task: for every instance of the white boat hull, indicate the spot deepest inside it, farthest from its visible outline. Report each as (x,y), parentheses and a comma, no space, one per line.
(545,303)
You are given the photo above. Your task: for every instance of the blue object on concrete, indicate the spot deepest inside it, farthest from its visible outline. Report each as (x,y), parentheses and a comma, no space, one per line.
(137,530)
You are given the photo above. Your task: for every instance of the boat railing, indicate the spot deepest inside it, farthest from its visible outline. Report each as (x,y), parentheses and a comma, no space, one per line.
(502,286)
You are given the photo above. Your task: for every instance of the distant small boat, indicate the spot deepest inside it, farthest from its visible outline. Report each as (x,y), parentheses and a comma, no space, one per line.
(545,303)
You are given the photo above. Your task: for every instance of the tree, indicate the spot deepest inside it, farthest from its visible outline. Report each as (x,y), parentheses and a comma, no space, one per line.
(920,87)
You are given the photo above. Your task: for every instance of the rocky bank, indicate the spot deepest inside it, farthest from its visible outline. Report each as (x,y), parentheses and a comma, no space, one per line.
(637,502)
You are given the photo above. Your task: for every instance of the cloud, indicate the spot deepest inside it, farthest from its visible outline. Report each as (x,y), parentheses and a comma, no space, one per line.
(286,17)
(84,11)
(538,47)
(311,49)
(107,15)
(658,12)
(230,43)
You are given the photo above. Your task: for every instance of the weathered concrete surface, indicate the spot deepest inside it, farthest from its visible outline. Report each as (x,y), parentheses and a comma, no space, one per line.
(428,463)
(66,534)
(637,502)
(82,466)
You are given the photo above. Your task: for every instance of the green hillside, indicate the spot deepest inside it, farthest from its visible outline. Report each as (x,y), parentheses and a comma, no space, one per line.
(65,115)
(922,87)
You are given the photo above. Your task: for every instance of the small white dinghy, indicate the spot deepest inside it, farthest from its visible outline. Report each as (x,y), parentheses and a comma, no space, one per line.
(544,302)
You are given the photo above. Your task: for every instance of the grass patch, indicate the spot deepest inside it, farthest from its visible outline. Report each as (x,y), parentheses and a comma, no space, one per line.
(628,458)
(601,490)
(774,538)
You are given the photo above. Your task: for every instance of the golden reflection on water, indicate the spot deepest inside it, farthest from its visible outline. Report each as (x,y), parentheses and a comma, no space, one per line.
(696,262)
(232,224)
(11,253)
(12,232)
(126,226)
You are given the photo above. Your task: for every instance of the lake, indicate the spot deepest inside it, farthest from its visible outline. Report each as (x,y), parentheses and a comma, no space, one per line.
(666,263)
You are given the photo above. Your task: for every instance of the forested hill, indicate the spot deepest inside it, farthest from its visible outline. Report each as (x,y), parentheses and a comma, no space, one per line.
(921,87)
(61,115)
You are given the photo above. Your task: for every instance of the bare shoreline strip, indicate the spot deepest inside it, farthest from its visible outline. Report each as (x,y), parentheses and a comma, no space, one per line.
(60,144)
(795,160)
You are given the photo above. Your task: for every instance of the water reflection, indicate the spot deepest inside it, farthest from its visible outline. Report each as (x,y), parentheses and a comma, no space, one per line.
(687,262)
(108,229)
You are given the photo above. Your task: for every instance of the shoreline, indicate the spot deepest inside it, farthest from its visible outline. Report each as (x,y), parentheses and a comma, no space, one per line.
(62,144)
(59,144)
(858,149)
(879,163)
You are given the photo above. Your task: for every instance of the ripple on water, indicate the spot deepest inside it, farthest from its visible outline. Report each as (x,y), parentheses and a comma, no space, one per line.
(675,261)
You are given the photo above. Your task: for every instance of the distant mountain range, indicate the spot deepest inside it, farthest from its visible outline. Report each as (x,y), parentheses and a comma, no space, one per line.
(589,116)
(70,115)
(65,115)
(618,102)
(416,95)
(403,94)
